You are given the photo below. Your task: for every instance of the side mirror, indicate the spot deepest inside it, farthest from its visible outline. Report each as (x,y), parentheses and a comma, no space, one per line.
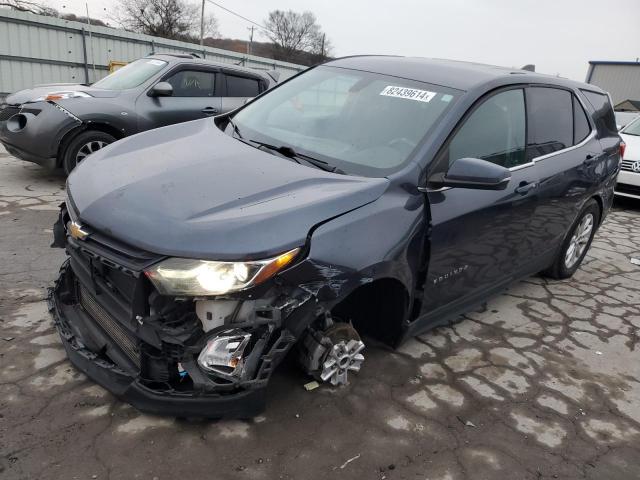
(161,89)
(473,173)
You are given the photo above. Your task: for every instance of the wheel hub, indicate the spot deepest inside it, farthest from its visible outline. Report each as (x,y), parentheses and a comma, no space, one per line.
(342,358)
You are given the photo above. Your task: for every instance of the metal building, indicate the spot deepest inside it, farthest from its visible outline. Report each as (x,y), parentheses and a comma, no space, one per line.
(620,79)
(36,49)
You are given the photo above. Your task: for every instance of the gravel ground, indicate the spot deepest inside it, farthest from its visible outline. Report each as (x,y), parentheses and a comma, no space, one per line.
(542,382)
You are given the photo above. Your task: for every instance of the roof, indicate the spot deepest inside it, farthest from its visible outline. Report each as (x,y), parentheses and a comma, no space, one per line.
(449,73)
(613,62)
(190,58)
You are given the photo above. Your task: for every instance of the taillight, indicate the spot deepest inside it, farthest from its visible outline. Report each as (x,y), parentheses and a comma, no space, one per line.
(623,147)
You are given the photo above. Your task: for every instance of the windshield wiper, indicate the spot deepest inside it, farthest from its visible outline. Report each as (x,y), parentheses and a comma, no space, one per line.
(236,130)
(289,152)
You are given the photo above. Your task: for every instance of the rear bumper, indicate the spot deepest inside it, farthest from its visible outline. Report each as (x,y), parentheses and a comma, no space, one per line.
(68,318)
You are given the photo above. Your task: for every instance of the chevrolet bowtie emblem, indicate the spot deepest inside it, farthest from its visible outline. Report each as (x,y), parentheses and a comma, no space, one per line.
(76,231)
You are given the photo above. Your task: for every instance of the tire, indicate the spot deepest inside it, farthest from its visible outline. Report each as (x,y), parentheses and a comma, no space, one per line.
(82,145)
(577,243)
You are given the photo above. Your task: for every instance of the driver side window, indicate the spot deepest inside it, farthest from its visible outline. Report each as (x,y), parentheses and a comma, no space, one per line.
(495,131)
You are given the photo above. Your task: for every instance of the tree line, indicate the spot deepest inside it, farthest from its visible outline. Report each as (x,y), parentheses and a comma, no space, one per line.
(290,36)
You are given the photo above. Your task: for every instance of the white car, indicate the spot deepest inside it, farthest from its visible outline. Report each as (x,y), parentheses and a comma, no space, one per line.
(629,176)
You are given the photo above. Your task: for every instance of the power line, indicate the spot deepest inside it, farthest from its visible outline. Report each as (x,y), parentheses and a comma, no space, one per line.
(240,16)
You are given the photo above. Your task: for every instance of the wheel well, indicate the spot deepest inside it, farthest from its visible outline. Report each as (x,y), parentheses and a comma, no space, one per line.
(600,203)
(377,309)
(100,127)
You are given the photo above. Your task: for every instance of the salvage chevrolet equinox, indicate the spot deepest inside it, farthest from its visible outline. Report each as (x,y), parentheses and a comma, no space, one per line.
(370,197)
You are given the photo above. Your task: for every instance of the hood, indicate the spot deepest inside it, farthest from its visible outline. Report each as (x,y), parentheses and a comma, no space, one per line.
(632,151)
(30,94)
(189,190)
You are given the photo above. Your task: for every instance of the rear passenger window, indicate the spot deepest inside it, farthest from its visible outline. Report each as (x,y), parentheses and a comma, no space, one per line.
(604,117)
(192,83)
(495,131)
(550,112)
(581,127)
(242,86)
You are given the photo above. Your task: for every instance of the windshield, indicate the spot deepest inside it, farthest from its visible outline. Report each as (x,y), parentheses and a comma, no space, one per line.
(131,75)
(633,128)
(359,122)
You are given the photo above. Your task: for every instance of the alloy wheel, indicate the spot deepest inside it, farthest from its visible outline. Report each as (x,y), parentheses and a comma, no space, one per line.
(579,241)
(89,148)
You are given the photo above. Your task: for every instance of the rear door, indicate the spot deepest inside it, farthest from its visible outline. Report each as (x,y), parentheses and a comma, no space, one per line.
(568,159)
(239,88)
(480,238)
(195,95)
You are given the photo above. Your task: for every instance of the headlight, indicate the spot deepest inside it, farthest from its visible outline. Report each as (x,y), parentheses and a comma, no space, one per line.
(183,276)
(61,96)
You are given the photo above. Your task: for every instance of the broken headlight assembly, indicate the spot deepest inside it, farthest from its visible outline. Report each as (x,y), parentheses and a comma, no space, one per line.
(182,276)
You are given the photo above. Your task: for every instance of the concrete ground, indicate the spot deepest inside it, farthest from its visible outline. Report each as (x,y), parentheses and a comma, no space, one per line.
(542,382)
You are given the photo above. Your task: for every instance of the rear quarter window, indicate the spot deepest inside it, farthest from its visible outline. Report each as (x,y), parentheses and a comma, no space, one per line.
(603,117)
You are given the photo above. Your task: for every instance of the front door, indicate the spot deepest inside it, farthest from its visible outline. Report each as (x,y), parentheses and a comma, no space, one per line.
(480,239)
(194,96)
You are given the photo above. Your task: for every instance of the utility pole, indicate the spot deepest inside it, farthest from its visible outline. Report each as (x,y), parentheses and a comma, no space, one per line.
(93,57)
(250,45)
(322,48)
(202,25)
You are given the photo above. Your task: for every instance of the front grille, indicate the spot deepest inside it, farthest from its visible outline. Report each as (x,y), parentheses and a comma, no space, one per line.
(8,111)
(125,340)
(628,165)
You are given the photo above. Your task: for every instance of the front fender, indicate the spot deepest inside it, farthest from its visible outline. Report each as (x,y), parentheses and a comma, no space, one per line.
(380,240)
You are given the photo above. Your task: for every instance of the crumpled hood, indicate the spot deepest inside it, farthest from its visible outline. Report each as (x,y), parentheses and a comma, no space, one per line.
(30,94)
(189,190)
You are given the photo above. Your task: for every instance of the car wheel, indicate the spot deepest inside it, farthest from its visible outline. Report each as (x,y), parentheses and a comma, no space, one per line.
(84,145)
(577,243)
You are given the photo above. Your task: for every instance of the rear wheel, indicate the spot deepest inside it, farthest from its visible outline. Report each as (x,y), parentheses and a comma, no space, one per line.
(577,243)
(82,146)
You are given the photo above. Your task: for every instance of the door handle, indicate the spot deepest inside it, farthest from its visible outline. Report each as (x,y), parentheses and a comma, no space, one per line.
(525,188)
(209,110)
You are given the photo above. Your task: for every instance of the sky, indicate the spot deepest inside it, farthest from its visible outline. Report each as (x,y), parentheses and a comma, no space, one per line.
(558,36)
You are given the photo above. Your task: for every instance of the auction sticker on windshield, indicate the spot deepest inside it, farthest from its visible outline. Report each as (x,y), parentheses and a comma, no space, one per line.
(408,93)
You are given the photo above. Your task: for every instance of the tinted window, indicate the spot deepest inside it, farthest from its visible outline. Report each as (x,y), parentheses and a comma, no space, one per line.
(193,83)
(242,87)
(604,117)
(550,112)
(495,131)
(581,128)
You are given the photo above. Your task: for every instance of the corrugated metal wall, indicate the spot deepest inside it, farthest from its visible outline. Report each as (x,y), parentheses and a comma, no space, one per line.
(621,81)
(35,49)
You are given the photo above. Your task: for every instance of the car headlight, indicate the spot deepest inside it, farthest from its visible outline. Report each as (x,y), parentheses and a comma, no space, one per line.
(183,276)
(61,96)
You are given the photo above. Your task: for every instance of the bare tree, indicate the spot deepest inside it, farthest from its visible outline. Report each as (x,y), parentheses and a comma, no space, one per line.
(38,8)
(175,19)
(293,32)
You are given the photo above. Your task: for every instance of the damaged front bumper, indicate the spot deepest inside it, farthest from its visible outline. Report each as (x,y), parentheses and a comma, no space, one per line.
(33,132)
(145,347)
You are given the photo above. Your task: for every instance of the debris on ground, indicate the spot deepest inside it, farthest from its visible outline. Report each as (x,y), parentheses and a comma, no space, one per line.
(8,339)
(349,461)
(311,386)
(635,261)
